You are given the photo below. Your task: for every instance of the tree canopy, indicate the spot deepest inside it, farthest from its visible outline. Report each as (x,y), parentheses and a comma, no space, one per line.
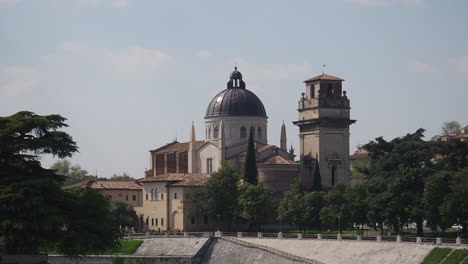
(73,172)
(34,209)
(451,127)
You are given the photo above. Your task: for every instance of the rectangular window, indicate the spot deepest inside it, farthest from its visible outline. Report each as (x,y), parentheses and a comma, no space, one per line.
(146,196)
(134,198)
(209,165)
(175,196)
(147,221)
(205,219)
(162,221)
(152,221)
(126,197)
(156,221)
(162,196)
(171,162)
(192,220)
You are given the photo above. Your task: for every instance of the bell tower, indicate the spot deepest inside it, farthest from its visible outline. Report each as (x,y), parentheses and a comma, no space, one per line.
(324,120)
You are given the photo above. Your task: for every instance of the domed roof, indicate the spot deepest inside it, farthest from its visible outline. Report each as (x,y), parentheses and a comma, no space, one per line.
(235,100)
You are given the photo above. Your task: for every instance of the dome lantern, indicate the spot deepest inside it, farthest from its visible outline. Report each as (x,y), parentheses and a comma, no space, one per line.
(235,80)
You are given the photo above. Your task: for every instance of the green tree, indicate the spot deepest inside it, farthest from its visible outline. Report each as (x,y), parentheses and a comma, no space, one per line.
(291,207)
(336,211)
(435,190)
(317,178)
(451,127)
(454,209)
(89,226)
(123,215)
(250,165)
(222,194)
(73,173)
(195,203)
(313,204)
(357,199)
(34,209)
(123,177)
(255,203)
(397,174)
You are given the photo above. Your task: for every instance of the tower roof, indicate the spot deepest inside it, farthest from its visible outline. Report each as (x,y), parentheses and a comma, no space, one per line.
(324,77)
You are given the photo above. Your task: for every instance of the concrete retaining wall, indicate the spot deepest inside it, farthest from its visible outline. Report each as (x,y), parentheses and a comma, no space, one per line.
(127,259)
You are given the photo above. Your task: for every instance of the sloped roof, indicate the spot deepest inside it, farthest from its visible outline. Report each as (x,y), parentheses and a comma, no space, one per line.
(180,179)
(108,185)
(324,77)
(193,180)
(277,160)
(178,147)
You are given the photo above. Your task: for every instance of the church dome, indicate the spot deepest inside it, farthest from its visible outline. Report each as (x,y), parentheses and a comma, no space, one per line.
(235,100)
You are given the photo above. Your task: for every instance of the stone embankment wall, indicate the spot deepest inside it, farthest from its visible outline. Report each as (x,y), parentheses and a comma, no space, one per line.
(352,252)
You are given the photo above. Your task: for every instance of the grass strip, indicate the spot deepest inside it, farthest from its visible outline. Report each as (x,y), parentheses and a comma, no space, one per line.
(126,247)
(456,257)
(436,255)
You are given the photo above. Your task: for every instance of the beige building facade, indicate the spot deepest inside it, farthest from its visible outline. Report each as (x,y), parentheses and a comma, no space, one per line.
(324,121)
(128,192)
(165,206)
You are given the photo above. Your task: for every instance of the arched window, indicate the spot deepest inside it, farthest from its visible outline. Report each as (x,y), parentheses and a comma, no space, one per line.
(259,132)
(330,91)
(209,132)
(243,132)
(252,131)
(216,132)
(154,194)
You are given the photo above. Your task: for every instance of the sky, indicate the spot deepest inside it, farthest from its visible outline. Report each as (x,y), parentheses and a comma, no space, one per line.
(132,75)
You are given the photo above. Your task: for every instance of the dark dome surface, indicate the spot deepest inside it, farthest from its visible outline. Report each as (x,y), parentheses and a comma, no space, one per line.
(235,102)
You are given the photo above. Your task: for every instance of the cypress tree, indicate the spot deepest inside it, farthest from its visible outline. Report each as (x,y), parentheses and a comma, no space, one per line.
(317,178)
(250,165)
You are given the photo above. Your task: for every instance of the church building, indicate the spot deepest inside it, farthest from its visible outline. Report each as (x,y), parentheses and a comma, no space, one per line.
(230,117)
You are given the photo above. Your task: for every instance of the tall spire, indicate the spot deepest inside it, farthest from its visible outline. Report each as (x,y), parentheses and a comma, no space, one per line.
(283,143)
(192,134)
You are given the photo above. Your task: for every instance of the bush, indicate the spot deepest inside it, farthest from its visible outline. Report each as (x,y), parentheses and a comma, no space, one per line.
(456,257)
(436,255)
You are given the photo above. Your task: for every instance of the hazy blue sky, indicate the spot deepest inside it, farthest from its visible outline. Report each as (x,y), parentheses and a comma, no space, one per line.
(131,75)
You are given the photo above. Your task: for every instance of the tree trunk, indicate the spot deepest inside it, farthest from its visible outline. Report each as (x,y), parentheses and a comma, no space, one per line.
(419,228)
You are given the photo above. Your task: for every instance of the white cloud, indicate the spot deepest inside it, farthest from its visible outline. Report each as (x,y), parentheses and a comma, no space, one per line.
(113,3)
(205,54)
(461,64)
(19,80)
(385,2)
(137,60)
(418,66)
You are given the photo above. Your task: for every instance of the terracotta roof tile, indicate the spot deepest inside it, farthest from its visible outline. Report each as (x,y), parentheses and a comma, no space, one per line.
(180,179)
(277,160)
(193,180)
(178,147)
(108,184)
(359,155)
(324,77)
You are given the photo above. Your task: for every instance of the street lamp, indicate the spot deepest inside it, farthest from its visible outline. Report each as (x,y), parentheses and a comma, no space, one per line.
(458,227)
(218,222)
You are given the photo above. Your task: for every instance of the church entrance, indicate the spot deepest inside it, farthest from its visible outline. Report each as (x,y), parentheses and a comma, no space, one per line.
(177,223)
